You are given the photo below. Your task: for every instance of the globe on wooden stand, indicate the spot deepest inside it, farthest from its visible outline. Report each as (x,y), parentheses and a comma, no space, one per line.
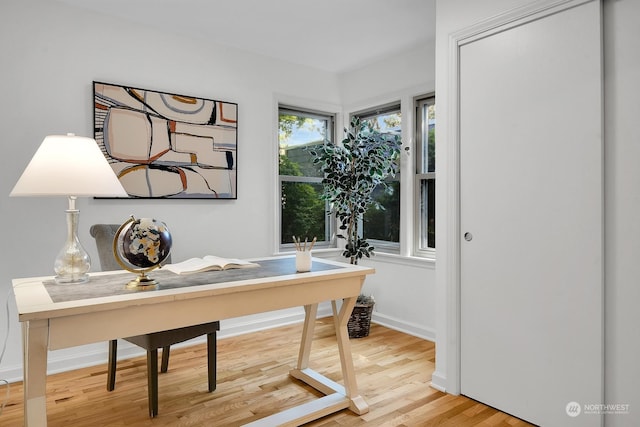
(140,246)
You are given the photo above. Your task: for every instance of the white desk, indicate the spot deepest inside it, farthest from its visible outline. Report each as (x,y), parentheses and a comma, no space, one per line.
(54,323)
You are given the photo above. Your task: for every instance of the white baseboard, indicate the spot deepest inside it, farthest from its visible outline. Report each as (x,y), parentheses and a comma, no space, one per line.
(439,381)
(402,326)
(89,355)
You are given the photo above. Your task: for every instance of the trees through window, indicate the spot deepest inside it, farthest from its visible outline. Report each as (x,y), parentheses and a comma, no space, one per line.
(381,222)
(302,213)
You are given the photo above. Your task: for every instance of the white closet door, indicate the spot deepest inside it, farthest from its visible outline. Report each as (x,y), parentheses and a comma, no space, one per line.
(531,182)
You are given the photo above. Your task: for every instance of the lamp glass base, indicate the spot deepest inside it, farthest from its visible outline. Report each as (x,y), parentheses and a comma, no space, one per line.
(72,263)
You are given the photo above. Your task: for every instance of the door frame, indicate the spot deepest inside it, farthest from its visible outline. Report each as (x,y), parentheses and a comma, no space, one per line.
(499,23)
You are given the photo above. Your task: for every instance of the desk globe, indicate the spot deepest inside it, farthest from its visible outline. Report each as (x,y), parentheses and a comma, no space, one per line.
(141,245)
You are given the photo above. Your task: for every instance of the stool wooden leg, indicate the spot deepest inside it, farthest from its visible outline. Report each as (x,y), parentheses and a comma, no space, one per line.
(111,365)
(152,381)
(165,359)
(212,360)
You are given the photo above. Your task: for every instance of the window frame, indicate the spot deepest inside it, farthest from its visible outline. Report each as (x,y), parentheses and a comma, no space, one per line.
(331,118)
(419,176)
(385,246)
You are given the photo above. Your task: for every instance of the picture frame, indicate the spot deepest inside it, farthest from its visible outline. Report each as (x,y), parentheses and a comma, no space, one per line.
(163,145)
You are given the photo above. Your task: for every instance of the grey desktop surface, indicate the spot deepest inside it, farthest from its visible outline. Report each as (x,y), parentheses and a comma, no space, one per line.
(115,284)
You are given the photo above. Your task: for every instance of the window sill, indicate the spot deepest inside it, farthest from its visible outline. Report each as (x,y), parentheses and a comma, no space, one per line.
(320,252)
(336,254)
(413,261)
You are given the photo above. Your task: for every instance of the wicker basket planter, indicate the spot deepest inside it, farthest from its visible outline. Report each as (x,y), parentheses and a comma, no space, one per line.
(360,320)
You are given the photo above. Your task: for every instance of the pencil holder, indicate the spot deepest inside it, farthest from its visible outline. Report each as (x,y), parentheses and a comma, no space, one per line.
(303,261)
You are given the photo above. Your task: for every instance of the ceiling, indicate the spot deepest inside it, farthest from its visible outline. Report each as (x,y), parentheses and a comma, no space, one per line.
(332,35)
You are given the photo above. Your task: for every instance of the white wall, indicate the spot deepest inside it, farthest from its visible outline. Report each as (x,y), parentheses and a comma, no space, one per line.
(51,53)
(622,202)
(404,287)
(622,207)
(404,292)
(406,72)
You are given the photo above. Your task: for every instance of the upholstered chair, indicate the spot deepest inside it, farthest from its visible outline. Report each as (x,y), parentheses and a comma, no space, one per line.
(104,235)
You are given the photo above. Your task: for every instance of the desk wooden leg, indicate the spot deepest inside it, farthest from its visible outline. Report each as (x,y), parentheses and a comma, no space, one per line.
(311,312)
(337,397)
(341,318)
(34,346)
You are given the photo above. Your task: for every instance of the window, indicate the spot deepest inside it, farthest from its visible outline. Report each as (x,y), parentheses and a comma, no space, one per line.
(381,225)
(425,178)
(302,213)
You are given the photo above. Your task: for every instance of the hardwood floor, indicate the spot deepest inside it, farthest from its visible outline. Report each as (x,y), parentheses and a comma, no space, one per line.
(393,371)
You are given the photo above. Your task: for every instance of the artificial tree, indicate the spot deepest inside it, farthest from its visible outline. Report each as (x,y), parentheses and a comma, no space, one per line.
(352,171)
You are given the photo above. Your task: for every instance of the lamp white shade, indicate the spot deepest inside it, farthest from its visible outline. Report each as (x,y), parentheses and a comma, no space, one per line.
(69,165)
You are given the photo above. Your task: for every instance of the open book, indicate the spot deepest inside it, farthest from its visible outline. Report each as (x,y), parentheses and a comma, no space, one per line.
(207,263)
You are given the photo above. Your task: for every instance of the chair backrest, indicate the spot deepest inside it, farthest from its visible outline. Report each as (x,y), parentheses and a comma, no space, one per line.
(104,234)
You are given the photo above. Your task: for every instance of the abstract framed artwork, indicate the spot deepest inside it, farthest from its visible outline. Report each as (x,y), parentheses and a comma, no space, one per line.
(164,145)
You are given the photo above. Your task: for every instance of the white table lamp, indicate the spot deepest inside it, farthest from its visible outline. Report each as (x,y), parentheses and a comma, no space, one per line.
(72,166)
